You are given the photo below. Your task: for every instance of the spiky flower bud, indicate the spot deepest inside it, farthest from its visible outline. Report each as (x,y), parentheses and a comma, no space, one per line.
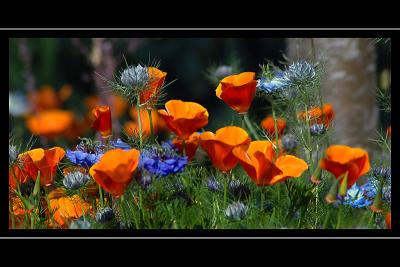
(236,211)
(223,71)
(104,215)
(317,129)
(12,153)
(213,185)
(238,189)
(135,76)
(80,224)
(75,180)
(289,142)
(299,72)
(383,172)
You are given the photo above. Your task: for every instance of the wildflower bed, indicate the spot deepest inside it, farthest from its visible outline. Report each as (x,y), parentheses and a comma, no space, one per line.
(282,173)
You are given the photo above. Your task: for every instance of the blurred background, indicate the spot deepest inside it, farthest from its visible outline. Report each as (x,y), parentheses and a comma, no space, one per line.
(61,77)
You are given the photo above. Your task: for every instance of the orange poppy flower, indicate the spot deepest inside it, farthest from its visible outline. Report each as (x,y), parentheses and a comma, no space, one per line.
(258,162)
(389,131)
(17,174)
(45,161)
(132,126)
(114,171)
(50,123)
(47,98)
(238,91)
(184,118)
(318,116)
(269,126)
(67,208)
(119,105)
(191,144)
(156,81)
(219,146)
(388,219)
(102,122)
(341,159)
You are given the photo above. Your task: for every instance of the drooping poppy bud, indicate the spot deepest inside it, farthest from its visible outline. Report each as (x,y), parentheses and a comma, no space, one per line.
(102,122)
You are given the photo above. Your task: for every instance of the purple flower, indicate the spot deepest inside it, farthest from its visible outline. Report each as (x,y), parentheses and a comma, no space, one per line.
(120,144)
(213,184)
(162,160)
(83,159)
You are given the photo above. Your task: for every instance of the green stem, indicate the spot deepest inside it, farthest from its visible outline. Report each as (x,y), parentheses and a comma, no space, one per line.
(139,123)
(151,124)
(250,126)
(101,197)
(276,132)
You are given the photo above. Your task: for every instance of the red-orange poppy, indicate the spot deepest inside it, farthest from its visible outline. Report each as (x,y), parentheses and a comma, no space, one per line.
(102,122)
(341,159)
(219,146)
(156,80)
(238,91)
(47,98)
(114,171)
(191,144)
(18,212)
(316,115)
(184,118)
(45,161)
(118,104)
(388,219)
(258,162)
(389,131)
(66,208)
(50,123)
(132,126)
(269,126)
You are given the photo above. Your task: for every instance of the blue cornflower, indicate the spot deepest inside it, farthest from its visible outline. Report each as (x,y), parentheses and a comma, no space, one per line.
(83,159)
(355,198)
(120,144)
(274,84)
(162,160)
(87,153)
(370,189)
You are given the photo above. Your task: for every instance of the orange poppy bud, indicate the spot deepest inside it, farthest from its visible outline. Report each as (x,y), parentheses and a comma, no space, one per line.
(340,159)
(219,146)
(238,91)
(102,122)
(191,144)
(318,116)
(45,161)
(269,126)
(156,81)
(114,171)
(50,123)
(184,118)
(388,219)
(258,162)
(389,131)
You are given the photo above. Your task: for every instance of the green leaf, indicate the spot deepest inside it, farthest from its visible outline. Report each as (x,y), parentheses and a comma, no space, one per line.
(36,189)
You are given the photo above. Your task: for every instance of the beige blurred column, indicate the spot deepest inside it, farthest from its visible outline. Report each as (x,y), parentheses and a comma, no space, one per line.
(349,84)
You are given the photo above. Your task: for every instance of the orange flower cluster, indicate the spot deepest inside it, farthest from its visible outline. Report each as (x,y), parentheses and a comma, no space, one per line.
(316,115)
(269,126)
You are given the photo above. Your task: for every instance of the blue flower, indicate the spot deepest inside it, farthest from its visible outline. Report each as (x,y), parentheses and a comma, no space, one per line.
(272,85)
(317,129)
(356,197)
(120,144)
(370,189)
(83,159)
(162,160)
(213,185)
